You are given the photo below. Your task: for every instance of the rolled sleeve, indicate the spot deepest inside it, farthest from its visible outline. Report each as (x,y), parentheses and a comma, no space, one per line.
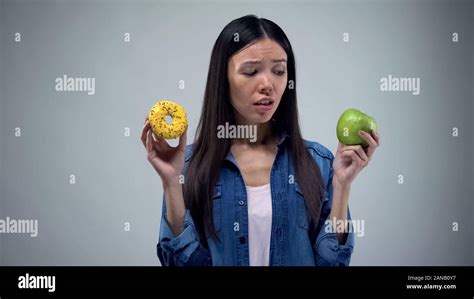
(177,250)
(328,251)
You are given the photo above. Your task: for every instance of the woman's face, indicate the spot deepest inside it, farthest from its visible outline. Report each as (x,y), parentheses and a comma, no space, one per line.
(257,72)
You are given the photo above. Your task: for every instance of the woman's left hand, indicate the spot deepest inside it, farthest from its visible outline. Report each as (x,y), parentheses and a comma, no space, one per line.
(351,159)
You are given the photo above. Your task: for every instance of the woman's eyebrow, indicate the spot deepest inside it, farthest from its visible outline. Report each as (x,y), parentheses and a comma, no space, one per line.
(251,62)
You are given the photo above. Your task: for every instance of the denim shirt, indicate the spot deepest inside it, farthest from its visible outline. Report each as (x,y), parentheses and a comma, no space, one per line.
(290,243)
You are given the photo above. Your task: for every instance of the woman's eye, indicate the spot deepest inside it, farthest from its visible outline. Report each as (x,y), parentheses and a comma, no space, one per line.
(250,74)
(279,73)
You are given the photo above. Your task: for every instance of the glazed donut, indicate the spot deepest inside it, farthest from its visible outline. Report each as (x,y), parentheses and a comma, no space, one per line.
(160,126)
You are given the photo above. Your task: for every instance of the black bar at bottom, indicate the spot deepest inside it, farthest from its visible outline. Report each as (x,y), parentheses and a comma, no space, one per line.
(442,282)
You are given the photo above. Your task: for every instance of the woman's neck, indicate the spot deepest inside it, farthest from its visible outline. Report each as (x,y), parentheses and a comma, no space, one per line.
(264,135)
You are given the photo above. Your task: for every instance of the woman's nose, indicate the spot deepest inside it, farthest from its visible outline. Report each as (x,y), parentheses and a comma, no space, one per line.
(265,84)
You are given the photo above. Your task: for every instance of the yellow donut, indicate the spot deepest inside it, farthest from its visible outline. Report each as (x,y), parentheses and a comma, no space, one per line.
(160,126)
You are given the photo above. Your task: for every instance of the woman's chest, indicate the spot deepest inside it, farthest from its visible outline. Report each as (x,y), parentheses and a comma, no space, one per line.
(255,166)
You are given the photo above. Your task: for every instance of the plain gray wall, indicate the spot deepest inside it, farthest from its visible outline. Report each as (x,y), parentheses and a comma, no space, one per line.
(472,139)
(66,133)
(2,195)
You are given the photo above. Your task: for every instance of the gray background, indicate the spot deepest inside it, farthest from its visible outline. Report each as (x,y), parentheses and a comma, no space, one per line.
(67,133)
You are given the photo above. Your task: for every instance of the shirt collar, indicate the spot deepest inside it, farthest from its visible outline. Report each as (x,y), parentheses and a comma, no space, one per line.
(284,135)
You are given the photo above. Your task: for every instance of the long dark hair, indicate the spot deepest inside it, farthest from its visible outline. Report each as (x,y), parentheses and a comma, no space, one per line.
(209,151)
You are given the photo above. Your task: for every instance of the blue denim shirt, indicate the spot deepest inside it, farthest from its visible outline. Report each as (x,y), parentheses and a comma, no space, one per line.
(290,243)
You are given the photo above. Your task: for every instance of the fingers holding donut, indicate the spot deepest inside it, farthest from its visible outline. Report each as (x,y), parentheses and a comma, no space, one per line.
(161,145)
(182,140)
(150,141)
(143,136)
(168,161)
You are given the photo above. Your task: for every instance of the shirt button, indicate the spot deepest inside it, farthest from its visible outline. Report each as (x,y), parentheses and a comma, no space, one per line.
(241,202)
(242,240)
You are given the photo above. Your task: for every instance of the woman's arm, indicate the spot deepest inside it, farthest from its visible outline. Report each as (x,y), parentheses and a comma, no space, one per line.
(181,247)
(339,207)
(332,248)
(175,203)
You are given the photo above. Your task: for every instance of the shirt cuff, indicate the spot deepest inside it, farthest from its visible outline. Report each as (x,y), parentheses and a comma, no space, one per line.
(328,250)
(179,247)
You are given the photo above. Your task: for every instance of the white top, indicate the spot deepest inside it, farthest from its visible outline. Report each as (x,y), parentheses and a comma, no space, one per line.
(260,224)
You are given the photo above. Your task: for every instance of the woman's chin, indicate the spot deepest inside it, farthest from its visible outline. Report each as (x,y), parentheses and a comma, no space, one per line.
(261,120)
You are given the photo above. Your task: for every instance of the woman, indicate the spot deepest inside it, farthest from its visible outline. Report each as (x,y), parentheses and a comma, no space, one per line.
(254,201)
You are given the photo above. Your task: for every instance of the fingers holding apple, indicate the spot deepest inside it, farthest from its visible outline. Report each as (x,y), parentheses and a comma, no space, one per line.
(358,140)
(373,140)
(358,149)
(349,161)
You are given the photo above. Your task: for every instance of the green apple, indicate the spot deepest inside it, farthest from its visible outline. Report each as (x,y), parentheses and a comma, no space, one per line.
(349,124)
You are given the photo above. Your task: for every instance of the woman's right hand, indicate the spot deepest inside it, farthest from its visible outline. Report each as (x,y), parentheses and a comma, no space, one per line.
(166,160)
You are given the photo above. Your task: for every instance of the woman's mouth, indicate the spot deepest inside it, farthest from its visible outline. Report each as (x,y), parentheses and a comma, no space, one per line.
(263,105)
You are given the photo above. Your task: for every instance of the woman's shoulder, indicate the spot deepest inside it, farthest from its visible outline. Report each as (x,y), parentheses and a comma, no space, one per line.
(317,148)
